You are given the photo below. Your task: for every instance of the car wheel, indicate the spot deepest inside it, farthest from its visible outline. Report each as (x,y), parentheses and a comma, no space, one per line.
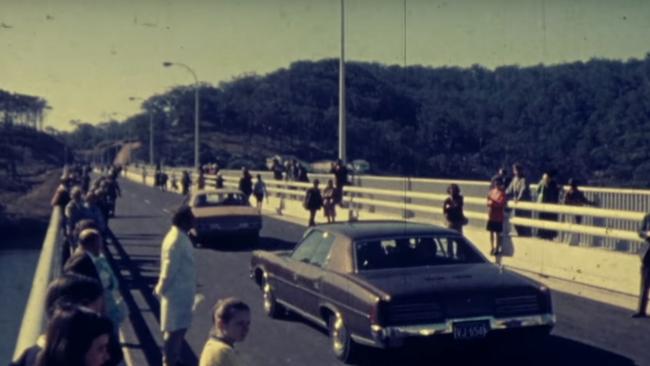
(342,344)
(271,306)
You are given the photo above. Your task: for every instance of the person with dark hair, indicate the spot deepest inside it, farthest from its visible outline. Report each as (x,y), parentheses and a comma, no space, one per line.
(200,180)
(340,172)
(69,290)
(313,202)
(231,321)
(218,181)
(329,201)
(186,182)
(501,177)
(496,203)
(94,212)
(519,191)
(259,191)
(644,233)
(75,210)
(176,285)
(76,336)
(548,191)
(575,197)
(88,260)
(246,183)
(277,169)
(452,208)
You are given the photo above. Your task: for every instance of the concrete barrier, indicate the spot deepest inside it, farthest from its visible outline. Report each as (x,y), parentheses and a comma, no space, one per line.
(48,267)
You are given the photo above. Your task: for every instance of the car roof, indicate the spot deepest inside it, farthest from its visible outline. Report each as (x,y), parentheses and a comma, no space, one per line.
(384,228)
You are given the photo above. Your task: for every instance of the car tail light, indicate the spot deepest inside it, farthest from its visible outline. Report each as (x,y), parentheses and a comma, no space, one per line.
(376,313)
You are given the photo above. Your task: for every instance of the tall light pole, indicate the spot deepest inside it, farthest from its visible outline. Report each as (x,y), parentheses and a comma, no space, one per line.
(196,109)
(342,126)
(151,156)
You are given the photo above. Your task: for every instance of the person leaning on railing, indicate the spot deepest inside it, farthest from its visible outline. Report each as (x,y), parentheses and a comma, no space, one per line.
(644,232)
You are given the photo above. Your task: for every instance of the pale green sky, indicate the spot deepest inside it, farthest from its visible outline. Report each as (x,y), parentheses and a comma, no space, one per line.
(86,57)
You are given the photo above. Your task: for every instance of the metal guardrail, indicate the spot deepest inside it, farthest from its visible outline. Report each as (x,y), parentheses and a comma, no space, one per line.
(612,225)
(48,268)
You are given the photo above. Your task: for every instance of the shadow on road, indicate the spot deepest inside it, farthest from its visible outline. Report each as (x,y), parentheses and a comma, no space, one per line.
(555,351)
(144,284)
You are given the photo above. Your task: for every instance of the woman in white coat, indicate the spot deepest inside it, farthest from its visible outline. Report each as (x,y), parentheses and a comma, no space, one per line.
(176,285)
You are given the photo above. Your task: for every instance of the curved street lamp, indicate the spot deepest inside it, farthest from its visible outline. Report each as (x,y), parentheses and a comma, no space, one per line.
(196,109)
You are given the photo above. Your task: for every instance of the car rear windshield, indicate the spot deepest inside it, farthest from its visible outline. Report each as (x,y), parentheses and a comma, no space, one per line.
(221,199)
(414,251)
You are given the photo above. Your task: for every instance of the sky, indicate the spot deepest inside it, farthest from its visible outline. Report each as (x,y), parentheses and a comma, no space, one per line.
(88,57)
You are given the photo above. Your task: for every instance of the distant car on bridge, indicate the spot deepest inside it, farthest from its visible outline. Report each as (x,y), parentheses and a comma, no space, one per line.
(223,213)
(380,283)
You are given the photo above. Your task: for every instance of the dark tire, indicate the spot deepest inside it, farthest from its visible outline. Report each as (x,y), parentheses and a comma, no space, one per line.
(342,344)
(271,306)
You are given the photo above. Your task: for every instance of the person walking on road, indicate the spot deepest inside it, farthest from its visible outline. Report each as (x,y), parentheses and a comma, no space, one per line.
(231,320)
(185,183)
(452,208)
(644,232)
(329,202)
(340,172)
(246,183)
(496,203)
(259,191)
(313,202)
(176,285)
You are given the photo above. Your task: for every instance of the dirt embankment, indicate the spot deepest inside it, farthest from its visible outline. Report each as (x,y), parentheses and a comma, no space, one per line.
(25,204)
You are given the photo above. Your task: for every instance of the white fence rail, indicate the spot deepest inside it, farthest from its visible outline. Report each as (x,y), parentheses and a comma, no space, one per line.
(612,225)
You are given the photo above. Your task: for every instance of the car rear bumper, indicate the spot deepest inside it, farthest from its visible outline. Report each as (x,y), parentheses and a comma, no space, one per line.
(392,336)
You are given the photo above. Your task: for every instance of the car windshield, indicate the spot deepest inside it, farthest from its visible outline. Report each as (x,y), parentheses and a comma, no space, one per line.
(414,251)
(221,199)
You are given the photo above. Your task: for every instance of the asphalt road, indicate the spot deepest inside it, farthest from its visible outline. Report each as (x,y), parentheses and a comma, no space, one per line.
(587,332)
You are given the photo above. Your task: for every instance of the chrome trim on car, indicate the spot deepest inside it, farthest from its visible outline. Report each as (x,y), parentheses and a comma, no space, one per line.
(446,327)
(302,313)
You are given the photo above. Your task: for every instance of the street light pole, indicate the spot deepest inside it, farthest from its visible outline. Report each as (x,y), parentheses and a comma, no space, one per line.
(342,125)
(151,159)
(196,110)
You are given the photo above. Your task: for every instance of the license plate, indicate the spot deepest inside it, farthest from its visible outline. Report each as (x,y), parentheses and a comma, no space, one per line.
(471,330)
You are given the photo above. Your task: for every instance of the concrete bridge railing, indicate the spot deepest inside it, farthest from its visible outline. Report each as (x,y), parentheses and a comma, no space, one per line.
(48,268)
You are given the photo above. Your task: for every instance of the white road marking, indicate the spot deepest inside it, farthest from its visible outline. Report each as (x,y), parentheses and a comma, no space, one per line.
(166,211)
(147,202)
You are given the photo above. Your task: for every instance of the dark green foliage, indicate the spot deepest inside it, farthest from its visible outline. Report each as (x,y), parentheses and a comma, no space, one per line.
(584,120)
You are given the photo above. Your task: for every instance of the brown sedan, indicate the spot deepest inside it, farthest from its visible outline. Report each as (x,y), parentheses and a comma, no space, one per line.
(381,283)
(223,212)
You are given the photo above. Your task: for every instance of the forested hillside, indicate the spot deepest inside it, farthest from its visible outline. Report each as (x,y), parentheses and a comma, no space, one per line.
(586,120)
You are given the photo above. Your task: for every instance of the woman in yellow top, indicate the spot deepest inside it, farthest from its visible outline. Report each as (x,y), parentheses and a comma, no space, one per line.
(231,319)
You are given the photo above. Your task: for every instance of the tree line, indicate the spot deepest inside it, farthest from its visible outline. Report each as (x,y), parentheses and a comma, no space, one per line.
(586,120)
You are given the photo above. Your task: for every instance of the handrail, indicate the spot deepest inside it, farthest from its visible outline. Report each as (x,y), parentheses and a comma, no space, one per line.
(352,195)
(49,267)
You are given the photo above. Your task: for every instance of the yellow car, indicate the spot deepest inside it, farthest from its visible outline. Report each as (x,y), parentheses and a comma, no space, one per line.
(224,212)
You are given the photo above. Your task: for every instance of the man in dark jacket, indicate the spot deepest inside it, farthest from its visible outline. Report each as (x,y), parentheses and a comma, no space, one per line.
(246,183)
(644,232)
(313,202)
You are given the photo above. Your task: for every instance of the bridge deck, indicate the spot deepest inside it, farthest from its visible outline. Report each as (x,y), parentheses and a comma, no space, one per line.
(587,331)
